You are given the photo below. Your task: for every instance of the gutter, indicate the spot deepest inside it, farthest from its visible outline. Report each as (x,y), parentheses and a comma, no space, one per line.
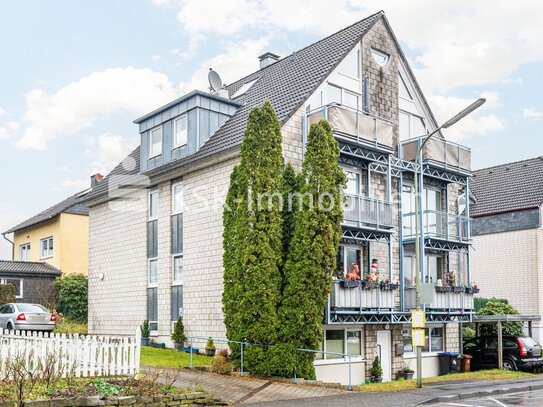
(12,245)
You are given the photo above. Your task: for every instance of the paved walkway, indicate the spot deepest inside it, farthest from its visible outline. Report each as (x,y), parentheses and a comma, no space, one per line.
(246,390)
(260,392)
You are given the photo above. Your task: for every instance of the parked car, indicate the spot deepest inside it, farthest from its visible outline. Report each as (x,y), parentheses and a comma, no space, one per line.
(26,317)
(519,353)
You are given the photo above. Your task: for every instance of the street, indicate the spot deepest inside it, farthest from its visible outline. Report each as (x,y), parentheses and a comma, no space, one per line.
(528,398)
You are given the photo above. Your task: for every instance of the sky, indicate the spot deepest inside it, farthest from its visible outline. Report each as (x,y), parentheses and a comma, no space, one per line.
(75,74)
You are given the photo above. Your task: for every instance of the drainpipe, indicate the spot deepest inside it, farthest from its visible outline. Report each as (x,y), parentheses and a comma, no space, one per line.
(12,245)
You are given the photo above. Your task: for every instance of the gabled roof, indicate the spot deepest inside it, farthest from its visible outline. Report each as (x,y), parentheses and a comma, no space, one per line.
(286,83)
(508,187)
(27,267)
(71,205)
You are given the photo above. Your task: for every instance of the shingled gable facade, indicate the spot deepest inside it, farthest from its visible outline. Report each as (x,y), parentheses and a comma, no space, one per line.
(507,210)
(156,220)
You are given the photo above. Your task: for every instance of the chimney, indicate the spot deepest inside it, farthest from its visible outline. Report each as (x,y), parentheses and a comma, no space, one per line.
(95,179)
(268,58)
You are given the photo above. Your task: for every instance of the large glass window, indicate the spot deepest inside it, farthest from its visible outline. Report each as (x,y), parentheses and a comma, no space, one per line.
(350,99)
(177,302)
(153,272)
(408,271)
(177,197)
(178,269)
(153,204)
(342,341)
(152,308)
(155,142)
(24,252)
(348,256)
(47,247)
(180,131)
(350,66)
(354,343)
(335,343)
(411,126)
(434,340)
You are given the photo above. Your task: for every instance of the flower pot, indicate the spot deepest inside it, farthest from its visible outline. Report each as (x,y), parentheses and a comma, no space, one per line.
(350,284)
(443,289)
(475,290)
(376,379)
(469,290)
(405,375)
(187,349)
(210,352)
(145,341)
(158,345)
(459,289)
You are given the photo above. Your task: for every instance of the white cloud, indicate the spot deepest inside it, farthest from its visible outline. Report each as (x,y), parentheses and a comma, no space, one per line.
(518,80)
(109,151)
(156,57)
(78,104)
(240,59)
(533,114)
(76,185)
(2,111)
(477,123)
(8,130)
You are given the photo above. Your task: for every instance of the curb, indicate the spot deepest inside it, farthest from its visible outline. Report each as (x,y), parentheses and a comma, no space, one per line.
(482,393)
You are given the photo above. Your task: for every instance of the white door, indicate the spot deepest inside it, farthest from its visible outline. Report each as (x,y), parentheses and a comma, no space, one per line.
(384,351)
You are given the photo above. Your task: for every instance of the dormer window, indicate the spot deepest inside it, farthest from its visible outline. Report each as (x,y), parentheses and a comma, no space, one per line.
(244,88)
(380,57)
(180,132)
(155,142)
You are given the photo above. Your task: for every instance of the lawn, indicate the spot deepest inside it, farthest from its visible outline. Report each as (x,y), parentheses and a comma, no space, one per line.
(169,358)
(67,326)
(398,385)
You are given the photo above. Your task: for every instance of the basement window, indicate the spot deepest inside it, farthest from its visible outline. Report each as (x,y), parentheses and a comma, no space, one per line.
(244,88)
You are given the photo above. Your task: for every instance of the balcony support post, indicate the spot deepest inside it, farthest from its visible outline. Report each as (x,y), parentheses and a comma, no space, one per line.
(400,216)
(468,233)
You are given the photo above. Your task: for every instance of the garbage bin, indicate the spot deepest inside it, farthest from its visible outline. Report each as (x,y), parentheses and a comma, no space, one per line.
(466,363)
(449,362)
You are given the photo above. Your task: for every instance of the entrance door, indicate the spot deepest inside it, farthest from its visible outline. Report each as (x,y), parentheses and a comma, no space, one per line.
(384,351)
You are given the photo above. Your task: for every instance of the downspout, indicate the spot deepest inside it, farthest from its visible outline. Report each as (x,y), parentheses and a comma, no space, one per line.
(12,246)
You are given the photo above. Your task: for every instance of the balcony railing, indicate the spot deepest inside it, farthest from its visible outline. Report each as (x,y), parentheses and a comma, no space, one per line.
(355,124)
(439,152)
(440,225)
(362,211)
(449,300)
(360,298)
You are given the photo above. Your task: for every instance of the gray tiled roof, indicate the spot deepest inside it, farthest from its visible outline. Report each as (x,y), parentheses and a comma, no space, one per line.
(27,267)
(71,205)
(286,84)
(506,187)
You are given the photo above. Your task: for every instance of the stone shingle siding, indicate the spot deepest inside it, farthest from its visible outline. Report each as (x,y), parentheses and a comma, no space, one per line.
(506,222)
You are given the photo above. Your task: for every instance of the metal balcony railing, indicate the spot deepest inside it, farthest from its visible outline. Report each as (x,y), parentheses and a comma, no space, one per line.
(449,300)
(362,127)
(440,225)
(362,211)
(439,152)
(359,298)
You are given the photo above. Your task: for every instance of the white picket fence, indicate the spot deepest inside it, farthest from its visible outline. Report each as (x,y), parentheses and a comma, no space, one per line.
(73,355)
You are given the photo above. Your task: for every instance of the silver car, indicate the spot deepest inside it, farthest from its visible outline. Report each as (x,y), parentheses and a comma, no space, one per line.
(26,317)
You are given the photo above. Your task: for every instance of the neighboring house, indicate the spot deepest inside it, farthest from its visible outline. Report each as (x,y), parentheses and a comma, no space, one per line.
(32,280)
(155,248)
(507,217)
(59,236)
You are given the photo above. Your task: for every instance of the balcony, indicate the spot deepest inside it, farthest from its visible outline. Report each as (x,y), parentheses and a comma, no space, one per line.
(359,126)
(360,298)
(363,212)
(438,152)
(439,225)
(441,300)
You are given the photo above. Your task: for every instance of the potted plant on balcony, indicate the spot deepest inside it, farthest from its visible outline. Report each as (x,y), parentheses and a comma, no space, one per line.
(210,347)
(376,371)
(442,288)
(406,372)
(474,288)
(145,333)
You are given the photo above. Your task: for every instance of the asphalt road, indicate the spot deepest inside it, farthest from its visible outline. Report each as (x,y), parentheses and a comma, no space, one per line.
(525,399)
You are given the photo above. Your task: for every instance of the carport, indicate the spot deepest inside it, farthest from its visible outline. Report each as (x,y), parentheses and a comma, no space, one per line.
(500,320)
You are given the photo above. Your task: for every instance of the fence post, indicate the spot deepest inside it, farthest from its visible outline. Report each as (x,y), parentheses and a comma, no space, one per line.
(190,352)
(241,358)
(350,374)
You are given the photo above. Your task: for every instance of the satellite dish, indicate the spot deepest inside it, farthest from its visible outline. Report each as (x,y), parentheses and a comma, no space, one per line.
(214,79)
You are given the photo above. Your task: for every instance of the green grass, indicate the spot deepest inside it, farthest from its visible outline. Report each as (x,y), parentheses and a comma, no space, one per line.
(67,326)
(169,358)
(398,385)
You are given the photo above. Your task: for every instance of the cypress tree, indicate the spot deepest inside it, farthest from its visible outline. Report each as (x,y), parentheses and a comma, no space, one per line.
(290,190)
(253,281)
(312,251)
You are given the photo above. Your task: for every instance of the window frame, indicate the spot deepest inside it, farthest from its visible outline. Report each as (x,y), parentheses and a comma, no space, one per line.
(174,281)
(342,92)
(325,360)
(176,211)
(4,279)
(50,247)
(176,144)
(150,140)
(26,247)
(412,126)
(357,56)
(428,335)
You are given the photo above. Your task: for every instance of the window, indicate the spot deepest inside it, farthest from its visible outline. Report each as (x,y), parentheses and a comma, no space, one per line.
(341,96)
(411,126)
(350,99)
(177,251)
(334,94)
(177,197)
(153,204)
(347,256)
(404,91)
(155,142)
(177,302)
(152,239)
(334,343)
(152,309)
(17,283)
(180,131)
(350,66)
(408,271)
(434,269)
(178,269)
(244,88)
(434,340)
(24,252)
(342,341)
(380,57)
(47,247)
(354,342)
(153,272)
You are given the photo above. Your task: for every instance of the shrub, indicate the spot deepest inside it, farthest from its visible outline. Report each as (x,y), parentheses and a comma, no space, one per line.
(7,293)
(178,334)
(468,333)
(72,296)
(210,344)
(221,365)
(499,308)
(376,369)
(480,302)
(145,329)
(224,353)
